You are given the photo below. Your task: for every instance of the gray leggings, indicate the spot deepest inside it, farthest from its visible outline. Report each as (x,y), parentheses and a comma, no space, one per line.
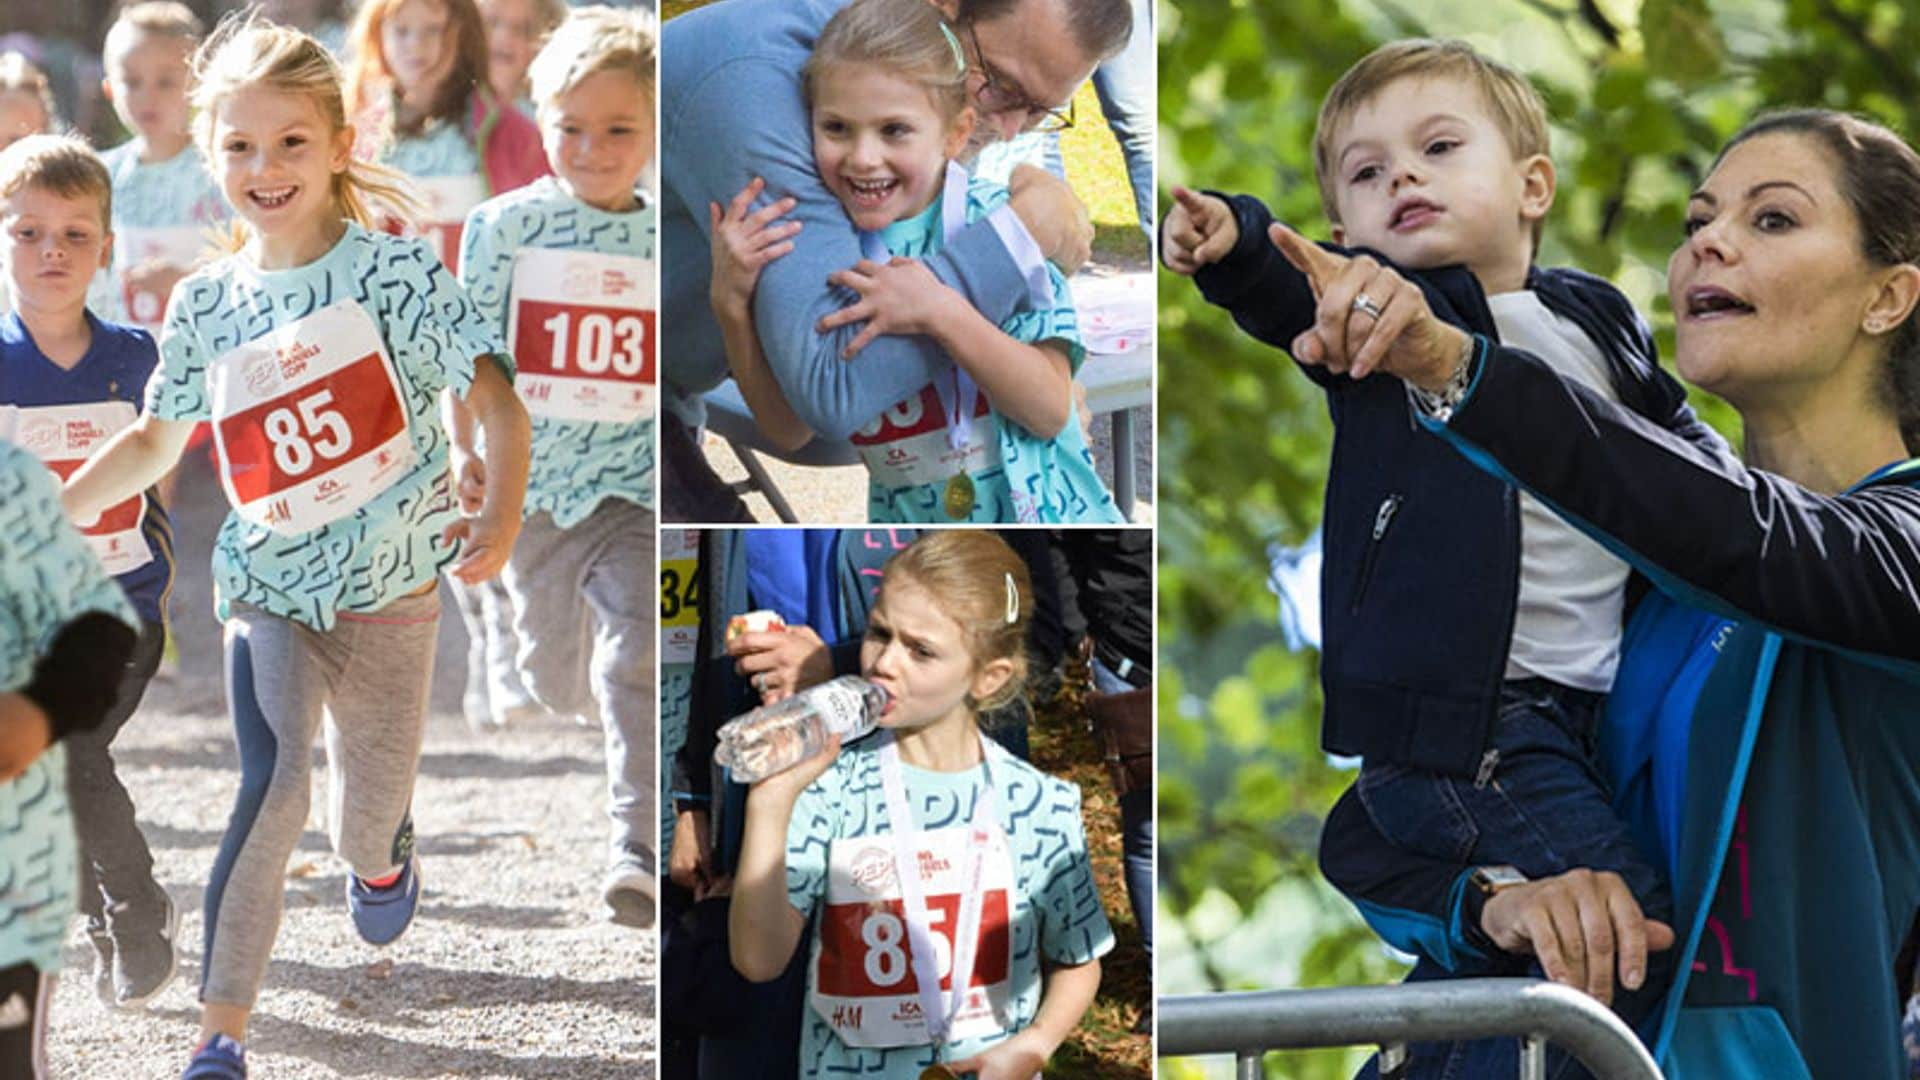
(369,677)
(585,601)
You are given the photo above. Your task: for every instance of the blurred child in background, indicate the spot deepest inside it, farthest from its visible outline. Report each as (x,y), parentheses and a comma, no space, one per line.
(546,265)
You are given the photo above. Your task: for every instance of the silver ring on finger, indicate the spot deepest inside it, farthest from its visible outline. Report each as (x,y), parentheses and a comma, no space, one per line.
(1366,304)
(759,683)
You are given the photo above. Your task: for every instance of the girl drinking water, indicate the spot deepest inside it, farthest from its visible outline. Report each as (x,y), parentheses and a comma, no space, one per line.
(320,351)
(998,900)
(995,438)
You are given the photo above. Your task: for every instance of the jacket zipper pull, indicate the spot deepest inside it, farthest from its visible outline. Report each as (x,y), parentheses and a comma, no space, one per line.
(1384,516)
(1489,761)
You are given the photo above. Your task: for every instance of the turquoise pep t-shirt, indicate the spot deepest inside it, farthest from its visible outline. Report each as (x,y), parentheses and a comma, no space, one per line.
(1054,911)
(1016,476)
(576,462)
(390,546)
(48,578)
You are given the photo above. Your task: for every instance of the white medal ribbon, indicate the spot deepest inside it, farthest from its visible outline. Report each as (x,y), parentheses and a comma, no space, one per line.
(965,397)
(938,1012)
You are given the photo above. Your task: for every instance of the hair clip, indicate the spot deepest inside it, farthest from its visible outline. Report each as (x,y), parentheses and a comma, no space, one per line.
(1013,601)
(959,56)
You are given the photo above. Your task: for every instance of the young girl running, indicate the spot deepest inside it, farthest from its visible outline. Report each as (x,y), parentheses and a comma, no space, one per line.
(988,956)
(993,439)
(64,626)
(321,352)
(565,268)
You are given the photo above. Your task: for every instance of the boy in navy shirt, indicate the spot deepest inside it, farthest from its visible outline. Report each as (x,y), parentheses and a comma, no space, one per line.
(68,382)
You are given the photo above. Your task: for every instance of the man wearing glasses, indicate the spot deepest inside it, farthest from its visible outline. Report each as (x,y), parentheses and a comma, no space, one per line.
(732,109)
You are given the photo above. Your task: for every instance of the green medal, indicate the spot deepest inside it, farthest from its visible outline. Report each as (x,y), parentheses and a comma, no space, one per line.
(959,496)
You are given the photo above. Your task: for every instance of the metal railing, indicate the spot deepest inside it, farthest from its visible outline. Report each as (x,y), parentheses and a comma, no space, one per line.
(1249,1024)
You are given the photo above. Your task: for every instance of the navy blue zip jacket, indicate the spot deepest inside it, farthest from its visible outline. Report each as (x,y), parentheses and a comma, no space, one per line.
(1422,570)
(1762,738)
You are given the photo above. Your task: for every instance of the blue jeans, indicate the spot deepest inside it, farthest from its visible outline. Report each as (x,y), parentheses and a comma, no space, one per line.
(1544,808)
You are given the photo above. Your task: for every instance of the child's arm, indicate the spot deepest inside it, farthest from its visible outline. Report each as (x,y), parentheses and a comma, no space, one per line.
(66,694)
(507,434)
(763,928)
(130,462)
(1030,384)
(743,243)
(1066,994)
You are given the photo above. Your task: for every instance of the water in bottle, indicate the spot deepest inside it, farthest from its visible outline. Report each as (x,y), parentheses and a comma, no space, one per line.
(775,738)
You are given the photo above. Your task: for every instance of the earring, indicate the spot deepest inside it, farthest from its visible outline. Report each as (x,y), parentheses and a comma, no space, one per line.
(1875,326)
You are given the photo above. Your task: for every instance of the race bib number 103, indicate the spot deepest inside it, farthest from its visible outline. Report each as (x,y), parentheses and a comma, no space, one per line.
(582,329)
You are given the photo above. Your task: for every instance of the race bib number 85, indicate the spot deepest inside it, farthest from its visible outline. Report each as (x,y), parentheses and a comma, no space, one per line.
(863,983)
(309,421)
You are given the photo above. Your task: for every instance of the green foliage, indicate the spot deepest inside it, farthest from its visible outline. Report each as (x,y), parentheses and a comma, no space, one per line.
(1641,93)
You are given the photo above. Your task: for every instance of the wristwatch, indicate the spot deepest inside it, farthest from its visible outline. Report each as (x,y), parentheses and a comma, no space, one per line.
(1487,882)
(1494,880)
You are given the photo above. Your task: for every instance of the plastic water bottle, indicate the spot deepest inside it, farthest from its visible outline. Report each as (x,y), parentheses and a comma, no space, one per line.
(775,738)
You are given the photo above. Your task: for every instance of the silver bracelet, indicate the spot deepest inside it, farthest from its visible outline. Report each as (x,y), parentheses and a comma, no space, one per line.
(1439,404)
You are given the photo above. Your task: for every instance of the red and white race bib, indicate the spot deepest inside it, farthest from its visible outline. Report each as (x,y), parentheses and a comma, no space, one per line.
(63,437)
(309,421)
(448,200)
(863,982)
(910,444)
(581,326)
(132,246)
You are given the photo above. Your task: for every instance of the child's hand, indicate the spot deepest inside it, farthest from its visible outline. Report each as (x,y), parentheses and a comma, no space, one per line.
(1199,230)
(1016,1058)
(785,786)
(743,243)
(155,278)
(902,297)
(470,482)
(485,542)
(25,734)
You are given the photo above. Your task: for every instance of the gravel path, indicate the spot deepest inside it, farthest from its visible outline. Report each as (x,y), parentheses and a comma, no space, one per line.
(508,970)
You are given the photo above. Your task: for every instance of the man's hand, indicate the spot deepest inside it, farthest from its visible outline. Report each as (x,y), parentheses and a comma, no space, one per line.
(25,734)
(690,862)
(1200,229)
(900,297)
(1054,216)
(781,663)
(1580,925)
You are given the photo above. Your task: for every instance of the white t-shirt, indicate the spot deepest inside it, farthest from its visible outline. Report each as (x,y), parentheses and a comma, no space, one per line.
(1567,624)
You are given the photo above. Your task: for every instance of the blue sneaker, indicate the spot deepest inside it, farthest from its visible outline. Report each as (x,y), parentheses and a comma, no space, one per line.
(385,913)
(219,1058)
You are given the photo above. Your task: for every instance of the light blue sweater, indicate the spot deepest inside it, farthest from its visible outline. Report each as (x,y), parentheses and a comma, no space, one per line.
(732,108)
